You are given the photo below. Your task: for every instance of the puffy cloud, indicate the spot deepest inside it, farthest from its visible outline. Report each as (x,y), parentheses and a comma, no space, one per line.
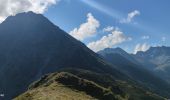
(108,41)
(130,16)
(12,7)
(86,29)
(141,47)
(145,37)
(108,29)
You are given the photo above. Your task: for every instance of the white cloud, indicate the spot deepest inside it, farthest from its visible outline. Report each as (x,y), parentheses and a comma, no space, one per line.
(163,39)
(86,29)
(12,7)
(116,37)
(108,29)
(145,37)
(141,47)
(130,17)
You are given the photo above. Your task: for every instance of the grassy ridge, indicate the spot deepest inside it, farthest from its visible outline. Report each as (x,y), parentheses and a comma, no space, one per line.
(78,87)
(54,91)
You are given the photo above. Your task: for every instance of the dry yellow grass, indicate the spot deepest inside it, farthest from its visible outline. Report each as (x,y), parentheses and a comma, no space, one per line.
(54,91)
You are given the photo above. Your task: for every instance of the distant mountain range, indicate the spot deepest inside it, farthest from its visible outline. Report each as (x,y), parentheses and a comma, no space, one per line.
(137,66)
(156,59)
(32,48)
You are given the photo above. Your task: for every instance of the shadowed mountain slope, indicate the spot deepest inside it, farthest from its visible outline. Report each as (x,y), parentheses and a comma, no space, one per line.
(32,46)
(156,59)
(135,70)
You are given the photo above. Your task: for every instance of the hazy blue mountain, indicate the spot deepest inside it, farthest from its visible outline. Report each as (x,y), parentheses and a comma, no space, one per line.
(32,46)
(117,51)
(130,66)
(159,60)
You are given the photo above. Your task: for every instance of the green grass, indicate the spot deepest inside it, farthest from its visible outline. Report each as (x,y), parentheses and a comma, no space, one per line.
(84,85)
(54,91)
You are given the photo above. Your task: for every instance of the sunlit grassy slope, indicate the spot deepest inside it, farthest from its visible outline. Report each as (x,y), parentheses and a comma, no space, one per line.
(54,91)
(66,86)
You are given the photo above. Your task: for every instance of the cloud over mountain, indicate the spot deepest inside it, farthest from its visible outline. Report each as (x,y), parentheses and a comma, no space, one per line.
(141,47)
(115,37)
(12,7)
(86,29)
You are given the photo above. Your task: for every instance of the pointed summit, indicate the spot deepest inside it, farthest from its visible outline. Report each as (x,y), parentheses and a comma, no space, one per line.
(32,46)
(112,50)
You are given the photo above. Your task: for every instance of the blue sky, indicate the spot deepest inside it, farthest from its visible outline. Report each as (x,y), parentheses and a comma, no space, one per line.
(153,21)
(135,25)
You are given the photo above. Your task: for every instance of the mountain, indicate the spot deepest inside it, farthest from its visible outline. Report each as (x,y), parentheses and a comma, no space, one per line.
(159,60)
(65,80)
(117,50)
(66,86)
(127,64)
(32,47)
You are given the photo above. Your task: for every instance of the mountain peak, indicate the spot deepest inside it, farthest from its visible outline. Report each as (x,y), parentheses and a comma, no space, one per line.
(25,18)
(32,46)
(28,13)
(117,50)
(23,14)
(113,50)
(160,47)
(159,50)
(26,23)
